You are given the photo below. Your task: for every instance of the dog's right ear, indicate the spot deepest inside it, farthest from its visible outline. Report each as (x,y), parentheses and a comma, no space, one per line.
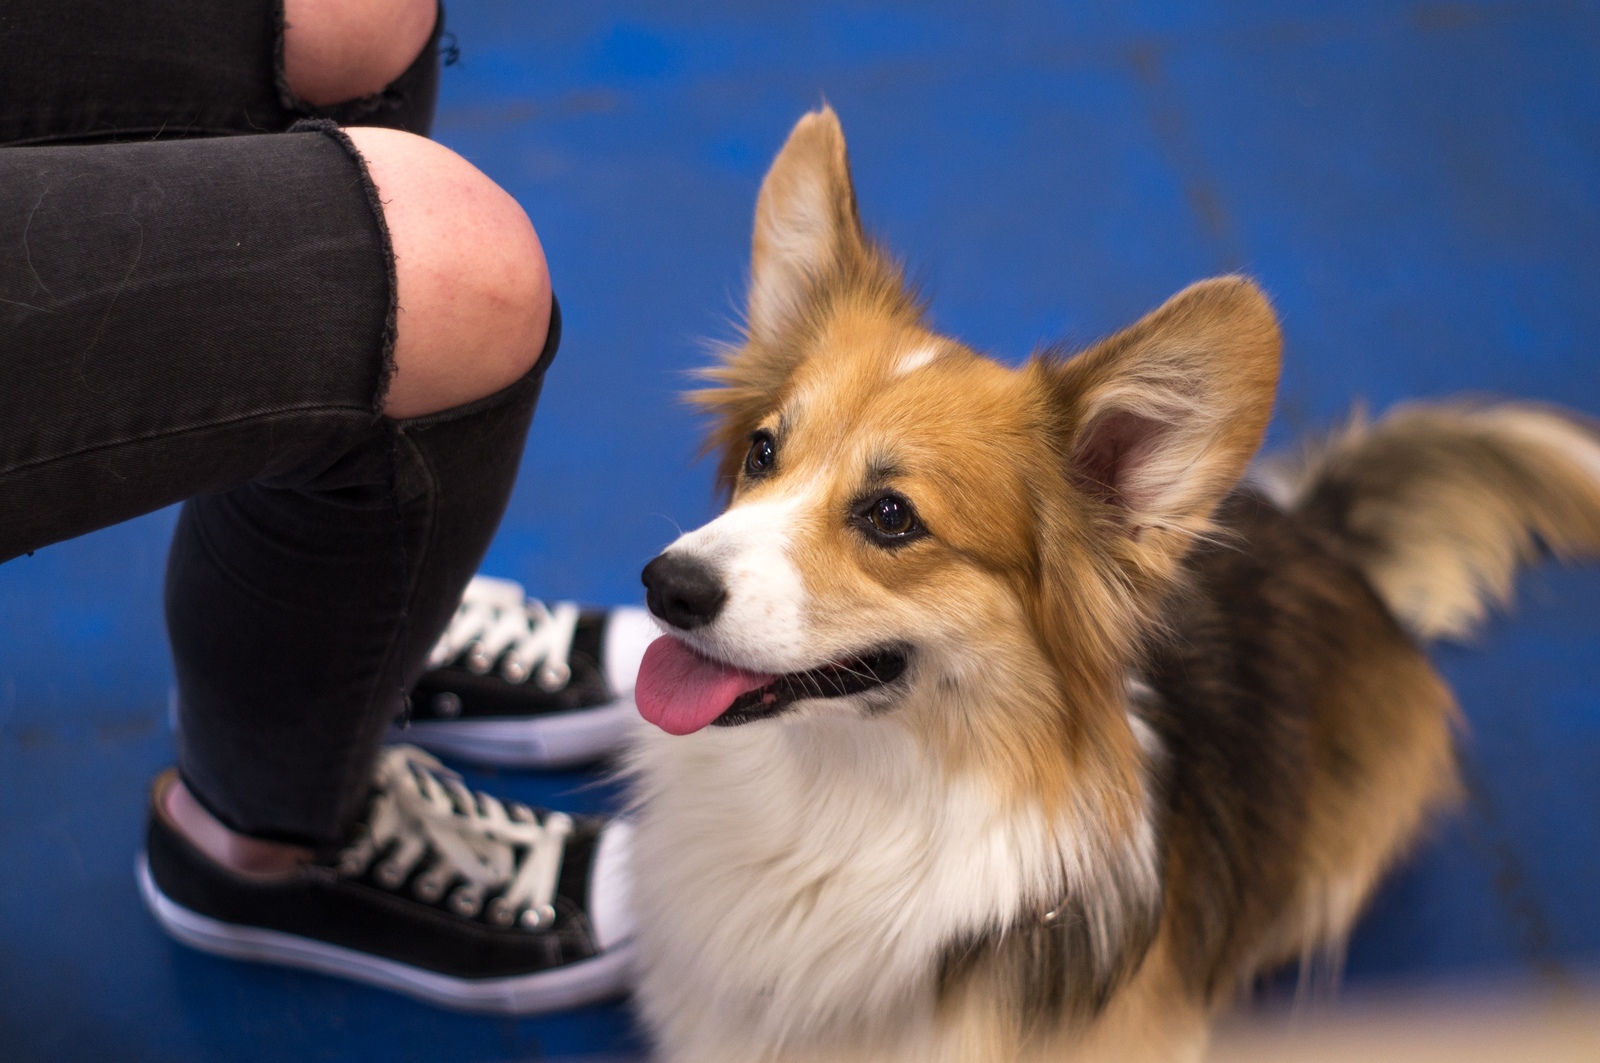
(807,234)
(1158,422)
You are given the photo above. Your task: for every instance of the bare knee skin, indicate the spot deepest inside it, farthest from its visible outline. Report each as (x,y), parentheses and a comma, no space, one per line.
(474,290)
(337,50)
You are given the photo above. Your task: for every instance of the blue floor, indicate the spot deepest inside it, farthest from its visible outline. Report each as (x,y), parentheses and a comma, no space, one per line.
(1417,185)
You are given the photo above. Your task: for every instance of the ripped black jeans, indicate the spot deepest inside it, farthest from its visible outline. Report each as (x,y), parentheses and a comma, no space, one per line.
(210,317)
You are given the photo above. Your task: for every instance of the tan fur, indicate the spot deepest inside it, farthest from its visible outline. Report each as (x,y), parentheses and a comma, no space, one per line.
(809,257)
(995,459)
(1392,715)
(1152,1020)
(1438,505)
(1449,500)
(1202,368)
(1383,760)
(1066,502)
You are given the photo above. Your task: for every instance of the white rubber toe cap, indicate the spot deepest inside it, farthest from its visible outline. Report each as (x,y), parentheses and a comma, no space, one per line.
(628,631)
(611,887)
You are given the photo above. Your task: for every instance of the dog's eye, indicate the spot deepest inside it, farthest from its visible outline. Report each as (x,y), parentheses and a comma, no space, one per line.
(891,516)
(763,452)
(890,519)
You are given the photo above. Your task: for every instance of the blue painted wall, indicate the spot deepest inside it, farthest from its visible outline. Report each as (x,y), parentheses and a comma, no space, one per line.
(1418,185)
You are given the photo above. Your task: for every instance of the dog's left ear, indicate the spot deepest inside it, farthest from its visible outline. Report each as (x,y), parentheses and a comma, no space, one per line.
(1157,423)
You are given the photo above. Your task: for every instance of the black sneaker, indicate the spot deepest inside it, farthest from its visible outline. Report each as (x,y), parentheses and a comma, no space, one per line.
(515,683)
(445,894)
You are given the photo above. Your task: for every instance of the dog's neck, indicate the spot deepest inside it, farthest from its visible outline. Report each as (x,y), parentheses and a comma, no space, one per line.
(844,840)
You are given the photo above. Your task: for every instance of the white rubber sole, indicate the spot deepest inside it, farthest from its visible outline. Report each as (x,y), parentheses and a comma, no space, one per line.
(557,741)
(585,982)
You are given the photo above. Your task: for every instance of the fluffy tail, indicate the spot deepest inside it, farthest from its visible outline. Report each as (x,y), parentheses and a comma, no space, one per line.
(1439,504)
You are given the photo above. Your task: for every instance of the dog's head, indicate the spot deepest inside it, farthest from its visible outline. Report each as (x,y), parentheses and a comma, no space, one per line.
(917,532)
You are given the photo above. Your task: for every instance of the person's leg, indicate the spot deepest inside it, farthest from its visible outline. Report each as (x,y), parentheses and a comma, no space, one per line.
(181,319)
(373,63)
(473,302)
(83,71)
(171,326)
(215,319)
(76,71)
(302,610)
(335,51)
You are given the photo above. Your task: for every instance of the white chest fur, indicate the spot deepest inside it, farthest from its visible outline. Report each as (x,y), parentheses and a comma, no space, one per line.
(800,883)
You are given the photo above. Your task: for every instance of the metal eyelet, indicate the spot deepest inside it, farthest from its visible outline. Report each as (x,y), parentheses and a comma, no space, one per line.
(354,860)
(478,660)
(534,918)
(502,912)
(391,875)
(466,900)
(554,675)
(430,885)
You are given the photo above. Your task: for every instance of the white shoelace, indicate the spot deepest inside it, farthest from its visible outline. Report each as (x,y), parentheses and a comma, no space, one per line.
(497,621)
(421,807)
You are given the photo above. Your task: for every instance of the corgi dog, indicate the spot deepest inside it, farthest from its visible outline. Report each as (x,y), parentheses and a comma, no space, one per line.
(1007,713)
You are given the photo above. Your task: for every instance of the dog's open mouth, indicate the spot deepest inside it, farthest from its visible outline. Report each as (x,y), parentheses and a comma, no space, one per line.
(856,675)
(681,691)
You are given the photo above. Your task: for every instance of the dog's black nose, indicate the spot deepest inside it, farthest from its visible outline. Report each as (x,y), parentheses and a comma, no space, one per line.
(683,591)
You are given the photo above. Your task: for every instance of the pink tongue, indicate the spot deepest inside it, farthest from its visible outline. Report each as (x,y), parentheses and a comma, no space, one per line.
(680,691)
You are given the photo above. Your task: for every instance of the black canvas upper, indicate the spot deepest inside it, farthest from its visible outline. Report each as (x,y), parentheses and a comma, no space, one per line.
(357,913)
(492,695)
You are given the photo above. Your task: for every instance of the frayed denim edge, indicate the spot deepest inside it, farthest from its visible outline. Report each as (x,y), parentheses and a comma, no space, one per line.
(331,129)
(351,112)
